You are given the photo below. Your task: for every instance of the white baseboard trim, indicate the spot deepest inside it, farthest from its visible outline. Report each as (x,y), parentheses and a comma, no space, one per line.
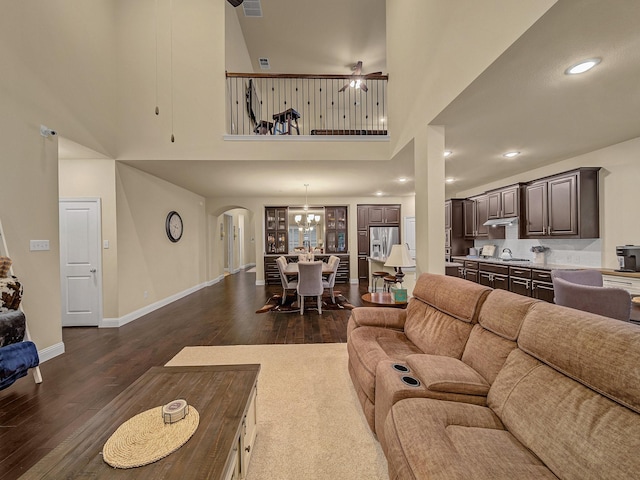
(260,283)
(130,317)
(215,280)
(354,281)
(51,352)
(247,265)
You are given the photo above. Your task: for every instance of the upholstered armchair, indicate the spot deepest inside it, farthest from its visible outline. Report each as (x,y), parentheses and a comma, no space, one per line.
(330,281)
(581,277)
(286,283)
(590,297)
(310,283)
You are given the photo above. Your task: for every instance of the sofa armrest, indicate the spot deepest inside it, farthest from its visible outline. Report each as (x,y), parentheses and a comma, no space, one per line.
(384,317)
(446,374)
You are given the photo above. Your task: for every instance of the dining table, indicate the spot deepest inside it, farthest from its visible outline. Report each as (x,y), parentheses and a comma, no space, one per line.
(292,269)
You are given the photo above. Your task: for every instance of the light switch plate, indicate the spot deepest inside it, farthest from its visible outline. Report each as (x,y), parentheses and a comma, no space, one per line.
(38,245)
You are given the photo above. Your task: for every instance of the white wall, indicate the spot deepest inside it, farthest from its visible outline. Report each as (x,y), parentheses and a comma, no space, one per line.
(96,178)
(42,45)
(151,268)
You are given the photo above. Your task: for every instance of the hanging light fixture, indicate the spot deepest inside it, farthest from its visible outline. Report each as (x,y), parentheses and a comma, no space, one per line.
(307,221)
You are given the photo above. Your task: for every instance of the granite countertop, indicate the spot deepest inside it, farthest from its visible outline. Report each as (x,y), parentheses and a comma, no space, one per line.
(545,266)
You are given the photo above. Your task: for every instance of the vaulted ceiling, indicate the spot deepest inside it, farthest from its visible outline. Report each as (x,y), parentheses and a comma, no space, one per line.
(522,102)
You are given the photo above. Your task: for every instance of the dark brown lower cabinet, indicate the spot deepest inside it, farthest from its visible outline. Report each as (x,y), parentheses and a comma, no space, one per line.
(471,275)
(494,276)
(525,281)
(494,280)
(363,268)
(541,285)
(520,280)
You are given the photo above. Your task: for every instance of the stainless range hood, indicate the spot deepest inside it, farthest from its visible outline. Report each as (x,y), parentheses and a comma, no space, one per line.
(495,222)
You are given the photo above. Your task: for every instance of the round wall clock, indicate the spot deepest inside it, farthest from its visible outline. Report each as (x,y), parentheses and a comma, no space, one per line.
(174,226)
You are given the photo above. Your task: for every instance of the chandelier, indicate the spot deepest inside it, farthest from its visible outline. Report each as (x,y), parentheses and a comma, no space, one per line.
(307,221)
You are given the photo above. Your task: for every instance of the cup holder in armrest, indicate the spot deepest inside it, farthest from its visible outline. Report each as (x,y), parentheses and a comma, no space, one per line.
(412,382)
(400,368)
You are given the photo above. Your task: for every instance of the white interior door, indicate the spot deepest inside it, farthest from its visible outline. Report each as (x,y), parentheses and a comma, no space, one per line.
(80,262)
(230,234)
(410,235)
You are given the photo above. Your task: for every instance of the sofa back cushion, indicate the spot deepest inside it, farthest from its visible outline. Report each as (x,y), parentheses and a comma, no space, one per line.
(599,352)
(568,405)
(442,313)
(454,296)
(493,338)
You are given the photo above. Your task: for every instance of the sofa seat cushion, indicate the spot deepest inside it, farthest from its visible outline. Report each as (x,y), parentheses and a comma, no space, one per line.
(447,374)
(577,432)
(368,346)
(433,439)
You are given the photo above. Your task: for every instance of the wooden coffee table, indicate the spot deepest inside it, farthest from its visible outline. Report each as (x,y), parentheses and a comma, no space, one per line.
(222,395)
(382,300)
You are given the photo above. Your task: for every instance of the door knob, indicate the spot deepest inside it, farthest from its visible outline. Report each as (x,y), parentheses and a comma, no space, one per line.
(93,270)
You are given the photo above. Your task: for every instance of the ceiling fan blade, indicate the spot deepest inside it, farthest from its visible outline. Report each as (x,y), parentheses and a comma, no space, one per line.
(363,86)
(346,85)
(374,73)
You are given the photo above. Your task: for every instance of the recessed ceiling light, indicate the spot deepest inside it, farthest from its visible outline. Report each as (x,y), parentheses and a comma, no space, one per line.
(447,153)
(402,179)
(511,154)
(379,194)
(583,66)
(450,180)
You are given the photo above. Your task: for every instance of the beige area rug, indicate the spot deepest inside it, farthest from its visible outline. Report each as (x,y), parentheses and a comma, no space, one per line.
(310,425)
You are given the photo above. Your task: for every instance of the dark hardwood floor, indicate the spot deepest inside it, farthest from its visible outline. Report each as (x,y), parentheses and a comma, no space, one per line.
(100,363)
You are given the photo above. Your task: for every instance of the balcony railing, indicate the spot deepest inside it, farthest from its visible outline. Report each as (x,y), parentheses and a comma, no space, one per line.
(264,104)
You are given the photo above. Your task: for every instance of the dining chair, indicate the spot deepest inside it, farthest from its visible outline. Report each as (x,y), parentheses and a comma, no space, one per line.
(284,279)
(606,301)
(581,277)
(330,281)
(310,283)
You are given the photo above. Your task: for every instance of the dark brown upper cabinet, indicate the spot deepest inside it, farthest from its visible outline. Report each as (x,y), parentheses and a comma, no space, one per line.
(504,202)
(564,205)
(384,215)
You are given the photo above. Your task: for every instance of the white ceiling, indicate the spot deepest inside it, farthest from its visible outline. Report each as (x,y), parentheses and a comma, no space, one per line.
(523,101)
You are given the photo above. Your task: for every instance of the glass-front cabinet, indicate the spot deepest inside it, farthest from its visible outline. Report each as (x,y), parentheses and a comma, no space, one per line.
(276,229)
(336,229)
(296,229)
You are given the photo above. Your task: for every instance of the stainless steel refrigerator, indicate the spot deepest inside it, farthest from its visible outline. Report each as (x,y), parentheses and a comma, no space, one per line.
(381,239)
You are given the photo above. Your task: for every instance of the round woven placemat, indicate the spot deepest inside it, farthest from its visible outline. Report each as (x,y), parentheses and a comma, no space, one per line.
(145,438)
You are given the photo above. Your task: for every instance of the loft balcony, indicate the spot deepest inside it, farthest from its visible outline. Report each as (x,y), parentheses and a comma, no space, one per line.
(318,105)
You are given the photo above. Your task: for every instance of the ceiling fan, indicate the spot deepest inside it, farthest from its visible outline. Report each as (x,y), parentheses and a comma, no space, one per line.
(358,81)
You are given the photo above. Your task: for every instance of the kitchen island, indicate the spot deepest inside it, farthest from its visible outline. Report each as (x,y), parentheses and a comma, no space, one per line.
(376,264)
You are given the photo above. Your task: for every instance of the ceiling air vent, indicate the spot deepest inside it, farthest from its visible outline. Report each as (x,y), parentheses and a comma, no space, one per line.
(252,8)
(264,63)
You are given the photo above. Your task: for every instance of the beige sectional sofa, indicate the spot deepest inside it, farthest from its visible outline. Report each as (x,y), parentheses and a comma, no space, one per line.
(527,390)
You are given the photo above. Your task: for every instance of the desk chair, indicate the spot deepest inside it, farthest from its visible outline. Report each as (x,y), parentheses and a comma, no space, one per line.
(310,283)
